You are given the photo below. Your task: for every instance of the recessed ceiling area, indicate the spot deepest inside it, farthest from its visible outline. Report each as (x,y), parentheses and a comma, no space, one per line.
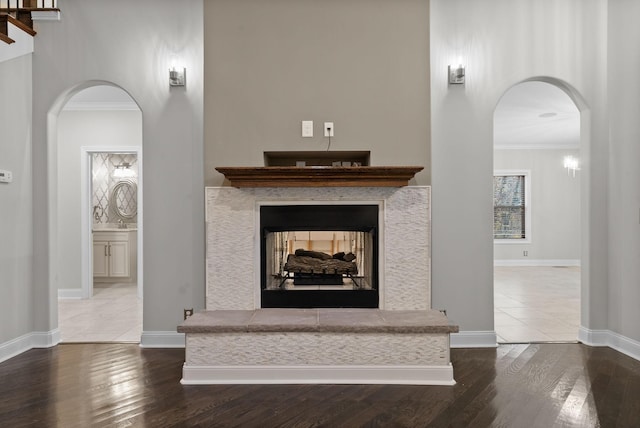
(101,97)
(536,115)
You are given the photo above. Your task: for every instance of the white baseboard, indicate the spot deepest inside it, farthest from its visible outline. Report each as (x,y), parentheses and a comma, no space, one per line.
(593,337)
(28,341)
(70,293)
(49,15)
(539,262)
(611,339)
(15,347)
(162,339)
(474,339)
(385,375)
(45,339)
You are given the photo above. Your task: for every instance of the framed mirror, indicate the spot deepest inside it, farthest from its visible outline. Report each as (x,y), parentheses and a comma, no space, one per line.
(124,199)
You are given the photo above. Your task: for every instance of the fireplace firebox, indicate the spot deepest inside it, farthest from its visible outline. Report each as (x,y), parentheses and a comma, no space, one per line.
(319,256)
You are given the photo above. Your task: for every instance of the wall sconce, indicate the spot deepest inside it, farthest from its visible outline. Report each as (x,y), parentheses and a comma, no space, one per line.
(177,77)
(572,164)
(123,170)
(456,75)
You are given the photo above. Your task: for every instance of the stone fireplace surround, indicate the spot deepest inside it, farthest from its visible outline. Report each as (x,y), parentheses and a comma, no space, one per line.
(233,341)
(233,253)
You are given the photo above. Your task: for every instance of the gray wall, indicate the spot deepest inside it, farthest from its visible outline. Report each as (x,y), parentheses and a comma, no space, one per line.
(77,129)
(624,184)
(16,251)
(362,64)
(503,42)
(131,44)
(526,38)
(555,207)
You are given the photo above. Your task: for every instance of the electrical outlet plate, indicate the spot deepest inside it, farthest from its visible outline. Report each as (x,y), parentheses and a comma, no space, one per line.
(5,176)
(328,129)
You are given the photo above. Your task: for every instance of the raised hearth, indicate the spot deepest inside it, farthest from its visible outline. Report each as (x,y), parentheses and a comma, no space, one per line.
(318,346)
(318,321)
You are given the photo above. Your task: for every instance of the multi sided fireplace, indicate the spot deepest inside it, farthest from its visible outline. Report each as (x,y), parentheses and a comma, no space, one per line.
(319,256)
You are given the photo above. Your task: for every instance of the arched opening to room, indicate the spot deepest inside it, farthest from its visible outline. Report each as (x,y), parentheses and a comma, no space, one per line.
(95,185)
(537,214)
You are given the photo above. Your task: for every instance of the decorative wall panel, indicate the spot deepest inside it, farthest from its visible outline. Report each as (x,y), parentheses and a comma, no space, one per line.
(103,166)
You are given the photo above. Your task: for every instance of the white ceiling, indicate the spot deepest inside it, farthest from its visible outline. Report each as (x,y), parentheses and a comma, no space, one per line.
(536,115)
(530,115)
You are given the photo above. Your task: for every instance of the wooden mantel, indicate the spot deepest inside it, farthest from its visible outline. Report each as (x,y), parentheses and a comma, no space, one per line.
(320,176)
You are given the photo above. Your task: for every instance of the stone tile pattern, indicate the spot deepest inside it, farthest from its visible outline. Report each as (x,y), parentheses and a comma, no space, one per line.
(231,253)
(317,337)
(407,249)
(233,349)
(232,257)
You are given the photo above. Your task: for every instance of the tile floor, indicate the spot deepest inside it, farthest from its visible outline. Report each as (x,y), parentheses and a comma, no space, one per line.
(532,304)
(114,314)
(537,304)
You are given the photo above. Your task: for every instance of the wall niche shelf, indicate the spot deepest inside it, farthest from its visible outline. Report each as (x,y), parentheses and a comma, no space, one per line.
(315,158)
(320,176)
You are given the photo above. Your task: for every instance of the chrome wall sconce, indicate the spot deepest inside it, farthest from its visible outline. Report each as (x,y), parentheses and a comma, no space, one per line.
(177,77)
(572,165)
(456,75)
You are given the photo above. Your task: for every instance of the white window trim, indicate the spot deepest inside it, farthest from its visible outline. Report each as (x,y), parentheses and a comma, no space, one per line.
(527,205)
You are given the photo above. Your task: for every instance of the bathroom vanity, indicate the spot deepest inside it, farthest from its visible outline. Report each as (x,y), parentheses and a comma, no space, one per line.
(114,254)
(115,244)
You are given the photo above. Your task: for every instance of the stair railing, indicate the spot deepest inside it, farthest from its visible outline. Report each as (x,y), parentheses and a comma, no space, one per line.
(10,6)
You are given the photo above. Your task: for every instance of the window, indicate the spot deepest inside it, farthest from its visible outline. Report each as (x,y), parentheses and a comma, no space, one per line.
(511,216)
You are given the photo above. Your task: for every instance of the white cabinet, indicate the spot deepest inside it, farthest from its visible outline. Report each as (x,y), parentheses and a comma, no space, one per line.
(100,257)
(114,255)
(119,259)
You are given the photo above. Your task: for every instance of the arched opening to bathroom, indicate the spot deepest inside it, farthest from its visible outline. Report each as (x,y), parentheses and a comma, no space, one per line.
(96,189)
(538,148)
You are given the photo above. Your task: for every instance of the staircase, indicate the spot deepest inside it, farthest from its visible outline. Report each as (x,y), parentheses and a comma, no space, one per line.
(16,24)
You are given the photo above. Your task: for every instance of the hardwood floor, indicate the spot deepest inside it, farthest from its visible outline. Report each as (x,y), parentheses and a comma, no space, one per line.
(123,385)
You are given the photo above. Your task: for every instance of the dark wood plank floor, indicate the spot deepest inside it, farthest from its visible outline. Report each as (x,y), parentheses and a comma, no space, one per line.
(120,385)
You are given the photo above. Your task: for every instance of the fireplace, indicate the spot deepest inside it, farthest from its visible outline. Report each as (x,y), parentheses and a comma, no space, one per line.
(251,233)
(319,256)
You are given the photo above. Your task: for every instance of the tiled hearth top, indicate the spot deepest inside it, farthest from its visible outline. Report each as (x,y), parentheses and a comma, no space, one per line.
(318,321)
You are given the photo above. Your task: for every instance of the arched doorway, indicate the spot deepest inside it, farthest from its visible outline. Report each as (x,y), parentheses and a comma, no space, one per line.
(537,212)
(98,131)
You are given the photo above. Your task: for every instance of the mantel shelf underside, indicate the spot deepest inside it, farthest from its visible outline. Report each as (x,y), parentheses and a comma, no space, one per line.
(320,176)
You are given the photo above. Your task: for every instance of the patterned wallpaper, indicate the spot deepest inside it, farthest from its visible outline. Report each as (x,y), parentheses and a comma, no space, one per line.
(103,167)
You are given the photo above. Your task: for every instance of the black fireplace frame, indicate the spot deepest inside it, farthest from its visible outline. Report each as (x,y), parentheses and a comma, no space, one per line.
(330,217)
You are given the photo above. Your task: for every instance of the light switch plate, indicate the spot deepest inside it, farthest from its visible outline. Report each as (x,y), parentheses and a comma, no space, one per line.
(307,128)
(5,176)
